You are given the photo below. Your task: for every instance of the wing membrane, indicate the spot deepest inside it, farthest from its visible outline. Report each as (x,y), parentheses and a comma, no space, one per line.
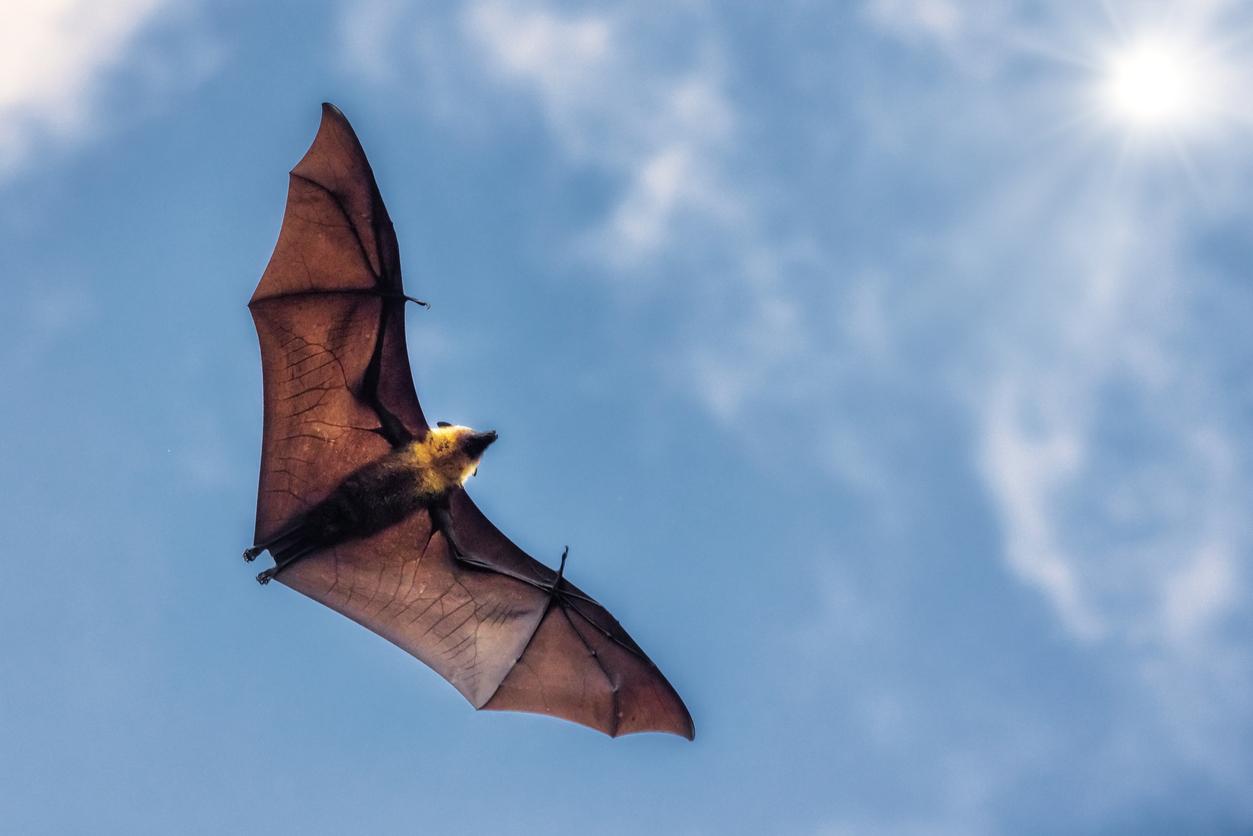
(403,584)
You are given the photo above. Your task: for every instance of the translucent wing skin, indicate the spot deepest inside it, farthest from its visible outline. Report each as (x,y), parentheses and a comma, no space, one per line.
(329,312)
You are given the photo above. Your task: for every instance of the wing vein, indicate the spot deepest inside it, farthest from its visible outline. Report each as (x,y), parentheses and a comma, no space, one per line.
(356,235)
(613,686)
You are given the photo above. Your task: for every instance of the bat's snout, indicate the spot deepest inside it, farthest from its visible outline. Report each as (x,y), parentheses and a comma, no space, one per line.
(478,442)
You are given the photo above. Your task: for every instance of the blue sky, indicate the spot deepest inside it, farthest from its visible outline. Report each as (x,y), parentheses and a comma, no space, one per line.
(885,365)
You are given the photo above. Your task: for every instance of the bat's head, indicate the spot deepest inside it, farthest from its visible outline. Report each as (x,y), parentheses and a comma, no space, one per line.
(453,451)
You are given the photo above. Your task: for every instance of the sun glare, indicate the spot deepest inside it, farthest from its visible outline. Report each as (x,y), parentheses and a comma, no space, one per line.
(1160,84)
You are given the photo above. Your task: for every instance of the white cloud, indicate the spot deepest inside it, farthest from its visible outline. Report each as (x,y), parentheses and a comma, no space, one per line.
(611,103)
(610,99)
(1200,591)
(1103,432)
(1106,435)
(1025,465)
(657,123)
(1105,439)
(52,55)
(941,19)
(1135,547)
(55,59)
(1054,306)
(562,56)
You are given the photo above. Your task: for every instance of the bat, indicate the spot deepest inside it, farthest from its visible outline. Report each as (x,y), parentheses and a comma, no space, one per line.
(362,503)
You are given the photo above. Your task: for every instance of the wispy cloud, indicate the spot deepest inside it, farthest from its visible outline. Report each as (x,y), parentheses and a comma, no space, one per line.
(669,134)
(1105,435)
(657,123)
(1086,271)
(1056,308)
(55,59)
(940,19)
(611,103)
(659,126)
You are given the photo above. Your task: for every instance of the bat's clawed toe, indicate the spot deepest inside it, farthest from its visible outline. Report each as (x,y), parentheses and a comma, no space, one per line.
(265,576)
(250,554)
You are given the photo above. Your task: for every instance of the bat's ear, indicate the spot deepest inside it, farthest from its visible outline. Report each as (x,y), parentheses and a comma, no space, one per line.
(442,424)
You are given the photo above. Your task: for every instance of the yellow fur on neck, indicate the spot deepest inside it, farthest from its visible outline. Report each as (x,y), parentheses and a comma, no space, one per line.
(442,463)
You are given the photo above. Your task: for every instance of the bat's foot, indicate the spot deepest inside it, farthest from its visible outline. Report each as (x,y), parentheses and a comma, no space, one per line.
(250,554)
(265,576)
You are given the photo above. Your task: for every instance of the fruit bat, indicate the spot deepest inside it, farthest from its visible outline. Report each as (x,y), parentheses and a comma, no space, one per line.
(361,502)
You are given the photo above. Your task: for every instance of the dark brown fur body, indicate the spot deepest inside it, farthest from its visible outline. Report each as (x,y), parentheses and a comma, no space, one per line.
(377,496)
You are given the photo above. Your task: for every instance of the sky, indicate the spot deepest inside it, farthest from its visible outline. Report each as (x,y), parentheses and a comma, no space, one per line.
(884,364)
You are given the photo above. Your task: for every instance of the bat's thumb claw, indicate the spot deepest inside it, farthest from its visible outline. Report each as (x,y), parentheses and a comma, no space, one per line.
(561,570)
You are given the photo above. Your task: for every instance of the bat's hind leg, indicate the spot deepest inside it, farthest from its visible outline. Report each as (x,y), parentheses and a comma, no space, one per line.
(275,543)
(288,546)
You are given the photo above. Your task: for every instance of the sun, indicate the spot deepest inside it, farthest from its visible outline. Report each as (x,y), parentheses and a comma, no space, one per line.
(1156,83)
(1162,85)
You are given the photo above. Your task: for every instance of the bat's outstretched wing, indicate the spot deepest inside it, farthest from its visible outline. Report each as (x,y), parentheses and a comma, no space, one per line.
(339,393)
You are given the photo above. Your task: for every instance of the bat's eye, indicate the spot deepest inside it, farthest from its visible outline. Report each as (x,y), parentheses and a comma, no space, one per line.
(442,424)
